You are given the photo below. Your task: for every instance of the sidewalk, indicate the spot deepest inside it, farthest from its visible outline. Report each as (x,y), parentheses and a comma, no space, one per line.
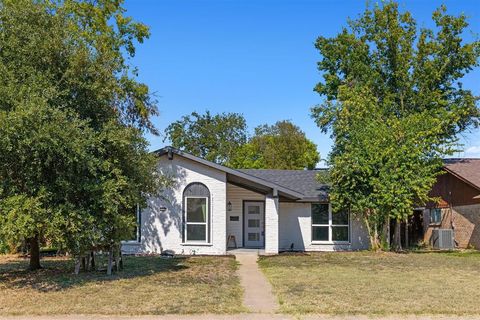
(258,296)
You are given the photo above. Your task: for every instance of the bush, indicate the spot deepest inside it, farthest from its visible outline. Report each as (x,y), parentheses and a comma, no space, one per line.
(4,248)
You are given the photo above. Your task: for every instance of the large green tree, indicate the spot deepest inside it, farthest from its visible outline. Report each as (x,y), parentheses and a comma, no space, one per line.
(72,114)
(394,104)
(279,146)
(212,137)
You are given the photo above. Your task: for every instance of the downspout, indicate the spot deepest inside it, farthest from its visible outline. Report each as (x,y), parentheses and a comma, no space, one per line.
(452,219)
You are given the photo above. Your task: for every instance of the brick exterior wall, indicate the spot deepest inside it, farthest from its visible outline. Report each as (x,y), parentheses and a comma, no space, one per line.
(271,224)
(285,222)
(464,220)
(163,230)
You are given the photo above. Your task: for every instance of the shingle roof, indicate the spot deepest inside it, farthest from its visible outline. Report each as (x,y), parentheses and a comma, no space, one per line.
(235,175)
(302,181)
(467,169)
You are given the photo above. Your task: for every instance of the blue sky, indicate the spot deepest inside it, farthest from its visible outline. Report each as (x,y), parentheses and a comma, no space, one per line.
(255,57)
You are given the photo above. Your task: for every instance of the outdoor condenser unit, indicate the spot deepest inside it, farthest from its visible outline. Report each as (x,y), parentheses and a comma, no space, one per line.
(443,239)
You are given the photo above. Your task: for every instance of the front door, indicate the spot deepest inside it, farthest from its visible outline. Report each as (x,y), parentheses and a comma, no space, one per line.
(254,226)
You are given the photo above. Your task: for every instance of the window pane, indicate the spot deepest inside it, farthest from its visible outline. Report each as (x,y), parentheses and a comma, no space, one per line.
(253,209)
(340,233)
(253,223)
(319,213)
(320,233)
(435,215)
(340,217)
(196,232)
(196,210)
(253,236)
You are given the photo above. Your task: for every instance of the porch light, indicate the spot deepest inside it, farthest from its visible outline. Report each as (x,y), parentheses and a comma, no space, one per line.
(229,206)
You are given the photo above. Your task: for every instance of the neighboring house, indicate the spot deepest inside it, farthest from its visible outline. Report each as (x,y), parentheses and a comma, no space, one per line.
(212,208)
(458,207)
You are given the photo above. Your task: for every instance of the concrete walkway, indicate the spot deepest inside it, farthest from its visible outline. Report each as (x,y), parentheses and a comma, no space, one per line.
(258,296)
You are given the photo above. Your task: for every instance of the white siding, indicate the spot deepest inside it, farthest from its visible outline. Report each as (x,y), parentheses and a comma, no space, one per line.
(236,195)
(163,230)
(295,227)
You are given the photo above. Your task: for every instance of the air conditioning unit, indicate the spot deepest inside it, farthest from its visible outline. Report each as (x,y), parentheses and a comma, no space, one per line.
(443,239)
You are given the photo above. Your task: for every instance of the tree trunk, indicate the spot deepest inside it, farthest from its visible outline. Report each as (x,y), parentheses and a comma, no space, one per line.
(397,237)
(116,256)
(386,233)
(109,265)
(77,264)
(93,260)
(373,235)
(407,245)
(34,253)
(83,263)
(87,262)
(121,259)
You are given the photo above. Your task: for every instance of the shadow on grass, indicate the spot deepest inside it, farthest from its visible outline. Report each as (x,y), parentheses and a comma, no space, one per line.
(57,273)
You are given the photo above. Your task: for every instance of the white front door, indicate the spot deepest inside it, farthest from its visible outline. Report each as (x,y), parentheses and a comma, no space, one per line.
(254,224)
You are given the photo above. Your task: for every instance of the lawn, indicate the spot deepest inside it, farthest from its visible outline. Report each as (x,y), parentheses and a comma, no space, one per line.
(376,283)
(147,285)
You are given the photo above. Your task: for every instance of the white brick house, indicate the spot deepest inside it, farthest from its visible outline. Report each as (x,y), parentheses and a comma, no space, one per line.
(274,210)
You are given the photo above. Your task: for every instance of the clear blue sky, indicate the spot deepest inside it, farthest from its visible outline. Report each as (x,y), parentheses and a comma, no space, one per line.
(256,57)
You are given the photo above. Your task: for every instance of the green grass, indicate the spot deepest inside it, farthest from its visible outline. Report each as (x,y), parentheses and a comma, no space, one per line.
(376,283)
(147,285)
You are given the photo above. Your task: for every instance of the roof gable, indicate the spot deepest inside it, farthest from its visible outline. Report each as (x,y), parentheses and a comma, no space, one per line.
(466,169)
(235,176)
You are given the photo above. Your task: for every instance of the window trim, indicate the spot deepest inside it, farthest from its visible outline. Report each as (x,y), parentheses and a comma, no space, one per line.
(207,223)
(330,226)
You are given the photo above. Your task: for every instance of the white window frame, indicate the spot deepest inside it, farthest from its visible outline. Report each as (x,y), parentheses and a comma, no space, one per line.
(330,226)
(206,223)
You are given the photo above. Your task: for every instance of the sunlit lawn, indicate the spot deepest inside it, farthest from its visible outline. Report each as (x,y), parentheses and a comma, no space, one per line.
(370,283)
(147,285)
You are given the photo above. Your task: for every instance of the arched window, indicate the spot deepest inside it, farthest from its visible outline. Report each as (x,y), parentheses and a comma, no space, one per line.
(196,213)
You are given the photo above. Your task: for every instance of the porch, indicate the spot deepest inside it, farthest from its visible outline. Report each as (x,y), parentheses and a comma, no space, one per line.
(252,220)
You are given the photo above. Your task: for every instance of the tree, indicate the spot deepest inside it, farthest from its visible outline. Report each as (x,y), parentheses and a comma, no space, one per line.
(72,114)
(212,137)
(280,146)
(394,106)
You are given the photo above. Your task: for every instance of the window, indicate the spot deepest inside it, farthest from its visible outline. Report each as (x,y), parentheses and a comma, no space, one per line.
(435,216)
(254,223)
(328,226)
(254,237)
(253,209)
(196,213)
(196,219)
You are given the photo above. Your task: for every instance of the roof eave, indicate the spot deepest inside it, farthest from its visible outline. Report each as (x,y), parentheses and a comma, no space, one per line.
(282,191)
(461,178)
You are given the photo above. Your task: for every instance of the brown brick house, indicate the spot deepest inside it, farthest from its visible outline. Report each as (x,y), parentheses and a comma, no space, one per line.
(458,207)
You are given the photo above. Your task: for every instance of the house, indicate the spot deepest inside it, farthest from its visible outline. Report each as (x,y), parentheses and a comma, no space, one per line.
(457,208)
(212,208)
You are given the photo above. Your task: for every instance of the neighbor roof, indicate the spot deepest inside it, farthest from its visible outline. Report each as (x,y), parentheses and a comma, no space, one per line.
(466,169)
(303,181)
